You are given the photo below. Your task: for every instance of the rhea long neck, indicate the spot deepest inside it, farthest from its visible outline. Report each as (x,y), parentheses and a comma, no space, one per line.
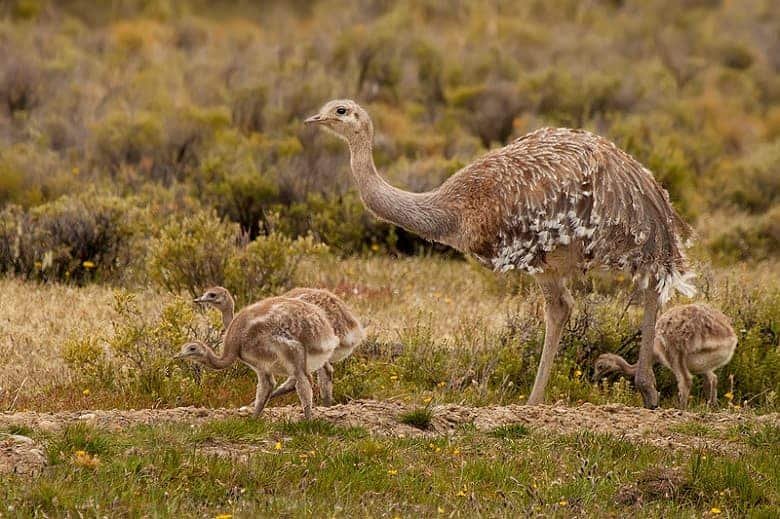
(214,362)
(624,366)
(421,213)
(227,312)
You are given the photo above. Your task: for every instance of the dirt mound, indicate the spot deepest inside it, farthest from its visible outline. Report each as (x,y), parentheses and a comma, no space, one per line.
(662,427)
(20,455)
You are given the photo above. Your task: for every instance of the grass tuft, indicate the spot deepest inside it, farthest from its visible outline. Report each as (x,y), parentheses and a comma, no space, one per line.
(510,431)
(420,418)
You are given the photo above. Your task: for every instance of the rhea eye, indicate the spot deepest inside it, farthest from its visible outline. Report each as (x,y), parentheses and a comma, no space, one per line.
(341,110)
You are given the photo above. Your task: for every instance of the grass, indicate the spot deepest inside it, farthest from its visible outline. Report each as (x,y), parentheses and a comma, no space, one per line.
(419,418)
(313,468)
(424,345)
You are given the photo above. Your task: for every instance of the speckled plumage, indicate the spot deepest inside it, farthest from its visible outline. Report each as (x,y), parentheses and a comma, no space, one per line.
(554,203)
(274,336)
(567,199)
(690,340)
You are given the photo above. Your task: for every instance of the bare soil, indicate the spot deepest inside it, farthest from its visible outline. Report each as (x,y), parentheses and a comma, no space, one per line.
(659,427)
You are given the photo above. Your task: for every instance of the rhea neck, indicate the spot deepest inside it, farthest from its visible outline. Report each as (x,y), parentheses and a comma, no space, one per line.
(623,366)
(227,310)
(212,361)
(423,214)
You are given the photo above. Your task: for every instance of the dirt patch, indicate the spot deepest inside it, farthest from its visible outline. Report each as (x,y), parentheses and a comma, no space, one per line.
(655,427)
(20,455)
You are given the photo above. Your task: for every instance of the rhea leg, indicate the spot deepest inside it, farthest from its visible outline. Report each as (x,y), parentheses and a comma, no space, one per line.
(325,380)
(711,387)
(558,304)
(644,378)
(303,387)
(288,386)
(265,383)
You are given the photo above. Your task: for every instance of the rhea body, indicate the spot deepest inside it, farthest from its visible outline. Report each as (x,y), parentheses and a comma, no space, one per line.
(345,325)
(273,336)
(689,340)
(554,203)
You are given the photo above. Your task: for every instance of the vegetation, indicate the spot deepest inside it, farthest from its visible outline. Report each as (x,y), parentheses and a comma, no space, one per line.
(250,467)
(151,149)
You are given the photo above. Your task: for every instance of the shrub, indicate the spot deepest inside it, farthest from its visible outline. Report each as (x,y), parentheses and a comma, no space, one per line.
(488,110)
(755,181)
(202,250)
(268,264)
(72,239)
(342,223)
(192,253)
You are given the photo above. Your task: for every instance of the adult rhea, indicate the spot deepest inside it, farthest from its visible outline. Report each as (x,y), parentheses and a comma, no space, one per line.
(554,204)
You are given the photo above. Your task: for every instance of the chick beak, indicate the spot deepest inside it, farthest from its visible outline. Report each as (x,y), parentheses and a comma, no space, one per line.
(314,119)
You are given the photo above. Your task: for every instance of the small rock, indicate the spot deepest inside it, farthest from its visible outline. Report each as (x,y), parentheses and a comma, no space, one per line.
(88,416)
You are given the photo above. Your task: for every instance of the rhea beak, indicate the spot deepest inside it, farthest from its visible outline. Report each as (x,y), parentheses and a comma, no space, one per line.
(198,300)
(314,119)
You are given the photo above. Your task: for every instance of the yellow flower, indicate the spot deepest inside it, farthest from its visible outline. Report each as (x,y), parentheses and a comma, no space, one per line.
(278,446)
(729,396)
(38,265)
(85,392)
(456,452)
(375,247)
(461,494)
(563,502)
(84,459)
(715,510)
(392,472)
(88,265)
(223,516)
(441,384)
(427,399)
(393,377)
(440,510)
(578,373)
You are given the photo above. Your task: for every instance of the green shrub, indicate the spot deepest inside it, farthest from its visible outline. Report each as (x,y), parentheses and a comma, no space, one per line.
(268,264)
(755,181)
(192,253)
(75,238)
(202,250)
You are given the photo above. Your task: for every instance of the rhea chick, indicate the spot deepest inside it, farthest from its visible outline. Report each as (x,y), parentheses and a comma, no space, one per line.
(344,322)
(689,340)
(346,327)
(273,336)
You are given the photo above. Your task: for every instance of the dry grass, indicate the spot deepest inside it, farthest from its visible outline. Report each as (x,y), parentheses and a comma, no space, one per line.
(35,319)
(446,301)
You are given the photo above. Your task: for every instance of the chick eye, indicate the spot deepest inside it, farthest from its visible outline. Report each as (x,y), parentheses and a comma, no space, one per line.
(341,110)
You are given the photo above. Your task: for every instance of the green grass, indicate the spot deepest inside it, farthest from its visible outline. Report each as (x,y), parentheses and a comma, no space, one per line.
(419,418)
(313,468)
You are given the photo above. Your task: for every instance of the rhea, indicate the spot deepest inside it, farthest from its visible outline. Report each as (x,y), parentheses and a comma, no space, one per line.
(344,322)
(689,340)
(554,203)
(273,336)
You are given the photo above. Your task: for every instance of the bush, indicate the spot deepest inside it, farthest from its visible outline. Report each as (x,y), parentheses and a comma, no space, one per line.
(267,265)
(193,253)
(75,238)
(202,250)
(755,180)
(488,110)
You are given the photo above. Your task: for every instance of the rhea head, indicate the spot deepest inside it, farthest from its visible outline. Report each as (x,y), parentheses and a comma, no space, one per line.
(218,297)
(346,119)
(194,351)
(605,364)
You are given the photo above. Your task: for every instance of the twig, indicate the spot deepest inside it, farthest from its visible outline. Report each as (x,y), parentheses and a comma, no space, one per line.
(16,397)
